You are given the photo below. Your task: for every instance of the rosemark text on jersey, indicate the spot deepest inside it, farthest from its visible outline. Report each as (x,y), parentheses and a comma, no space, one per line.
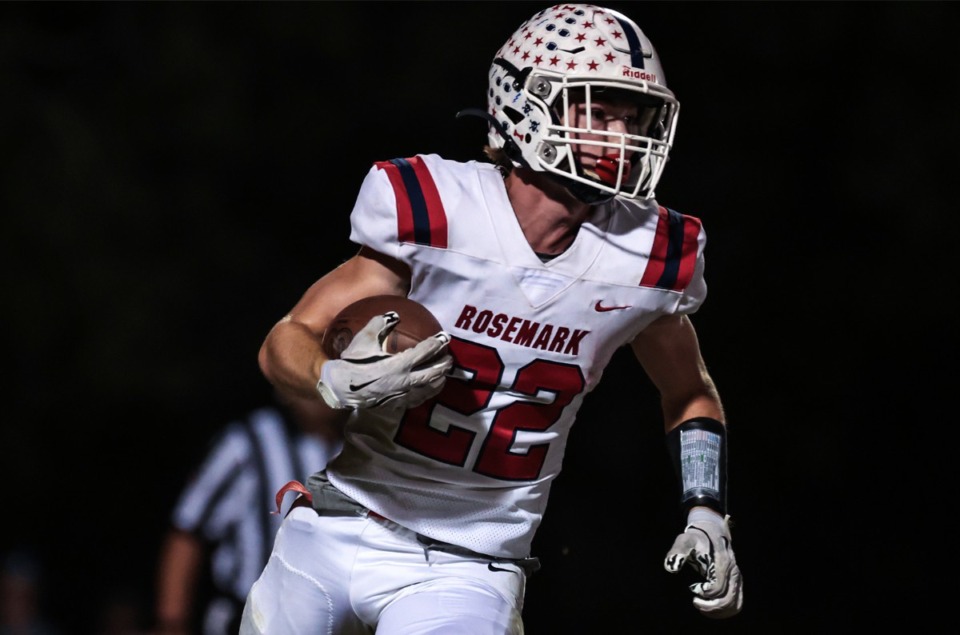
(517,330)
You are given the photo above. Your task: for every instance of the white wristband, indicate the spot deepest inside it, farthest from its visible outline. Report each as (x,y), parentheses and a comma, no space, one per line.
(323,387)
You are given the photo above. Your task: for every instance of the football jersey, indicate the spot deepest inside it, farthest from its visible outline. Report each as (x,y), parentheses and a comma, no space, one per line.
(530,339)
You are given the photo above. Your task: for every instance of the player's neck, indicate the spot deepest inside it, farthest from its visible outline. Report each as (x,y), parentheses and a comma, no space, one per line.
(549,215)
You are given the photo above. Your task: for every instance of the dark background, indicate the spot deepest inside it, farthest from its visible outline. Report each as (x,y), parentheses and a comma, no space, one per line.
(174,175)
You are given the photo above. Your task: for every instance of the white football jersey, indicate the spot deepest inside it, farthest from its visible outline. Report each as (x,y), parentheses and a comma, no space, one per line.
(473,466)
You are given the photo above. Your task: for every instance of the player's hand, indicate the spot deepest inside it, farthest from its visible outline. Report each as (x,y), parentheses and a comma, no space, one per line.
(365,376)
(706,546)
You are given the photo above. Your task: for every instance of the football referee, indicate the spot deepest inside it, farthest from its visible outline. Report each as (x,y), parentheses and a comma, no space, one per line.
(222,528)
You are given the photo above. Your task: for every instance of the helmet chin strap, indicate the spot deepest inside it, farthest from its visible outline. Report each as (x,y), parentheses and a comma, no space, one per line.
(514,153)
(581,191)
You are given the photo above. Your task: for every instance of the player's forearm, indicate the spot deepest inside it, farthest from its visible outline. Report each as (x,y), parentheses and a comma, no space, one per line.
(691,393)
(291,357)
(701,404)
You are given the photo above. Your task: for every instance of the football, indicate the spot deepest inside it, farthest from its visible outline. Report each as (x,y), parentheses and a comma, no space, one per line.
(416,324)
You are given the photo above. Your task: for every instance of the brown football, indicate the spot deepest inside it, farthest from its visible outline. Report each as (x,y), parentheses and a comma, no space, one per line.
(416,323)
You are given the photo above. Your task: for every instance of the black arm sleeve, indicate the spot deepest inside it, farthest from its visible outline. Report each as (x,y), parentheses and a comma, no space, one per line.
(698,448)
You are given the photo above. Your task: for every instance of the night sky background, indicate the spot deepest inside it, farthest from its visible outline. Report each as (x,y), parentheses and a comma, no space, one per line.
(174,175)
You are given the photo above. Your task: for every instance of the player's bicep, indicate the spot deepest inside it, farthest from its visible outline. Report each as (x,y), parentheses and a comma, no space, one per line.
(365,274)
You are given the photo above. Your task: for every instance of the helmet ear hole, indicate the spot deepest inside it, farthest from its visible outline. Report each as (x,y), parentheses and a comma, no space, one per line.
(514,115)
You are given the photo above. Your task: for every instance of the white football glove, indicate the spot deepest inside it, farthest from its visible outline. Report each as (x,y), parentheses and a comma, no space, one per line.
(706,546)
(366,376)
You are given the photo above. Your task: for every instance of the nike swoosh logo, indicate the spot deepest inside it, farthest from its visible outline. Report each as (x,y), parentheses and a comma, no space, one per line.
(600,308)
(356,387)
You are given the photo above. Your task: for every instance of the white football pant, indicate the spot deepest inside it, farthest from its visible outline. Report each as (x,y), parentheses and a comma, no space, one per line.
(356,575)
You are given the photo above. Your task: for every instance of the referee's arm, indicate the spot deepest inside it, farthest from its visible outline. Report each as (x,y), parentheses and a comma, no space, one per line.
(181,559)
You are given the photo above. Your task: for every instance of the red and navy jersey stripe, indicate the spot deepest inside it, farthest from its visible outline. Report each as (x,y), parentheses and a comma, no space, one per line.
(674,252)
(421,218)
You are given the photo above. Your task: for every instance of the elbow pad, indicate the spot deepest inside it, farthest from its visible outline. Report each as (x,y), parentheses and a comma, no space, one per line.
(698,448)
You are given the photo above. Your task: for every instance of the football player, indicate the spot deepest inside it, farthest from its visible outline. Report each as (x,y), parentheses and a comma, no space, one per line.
(539,263)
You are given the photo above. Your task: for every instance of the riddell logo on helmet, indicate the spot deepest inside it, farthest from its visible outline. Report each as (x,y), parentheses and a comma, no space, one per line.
(639,73)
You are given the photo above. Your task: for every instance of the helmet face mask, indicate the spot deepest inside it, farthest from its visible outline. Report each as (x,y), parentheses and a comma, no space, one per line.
(578,92)
(602,138)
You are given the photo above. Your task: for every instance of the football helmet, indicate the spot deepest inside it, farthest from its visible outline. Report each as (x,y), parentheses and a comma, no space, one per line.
(545,86)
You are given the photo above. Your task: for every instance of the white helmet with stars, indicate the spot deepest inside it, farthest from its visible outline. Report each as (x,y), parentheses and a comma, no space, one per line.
(572,52)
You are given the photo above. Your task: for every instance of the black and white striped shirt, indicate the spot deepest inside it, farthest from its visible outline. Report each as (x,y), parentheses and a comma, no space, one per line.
(228,501)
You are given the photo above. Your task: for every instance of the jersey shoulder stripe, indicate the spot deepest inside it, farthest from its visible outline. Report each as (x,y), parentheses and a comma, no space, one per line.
(674,252)
(421,218)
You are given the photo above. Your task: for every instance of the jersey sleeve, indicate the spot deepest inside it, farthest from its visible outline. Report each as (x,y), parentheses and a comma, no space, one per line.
(373,221)
(696,290)
(400,204)
(676,260)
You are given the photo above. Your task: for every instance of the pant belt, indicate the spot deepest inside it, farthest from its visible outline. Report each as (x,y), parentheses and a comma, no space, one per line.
(303,501)
(329,501)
